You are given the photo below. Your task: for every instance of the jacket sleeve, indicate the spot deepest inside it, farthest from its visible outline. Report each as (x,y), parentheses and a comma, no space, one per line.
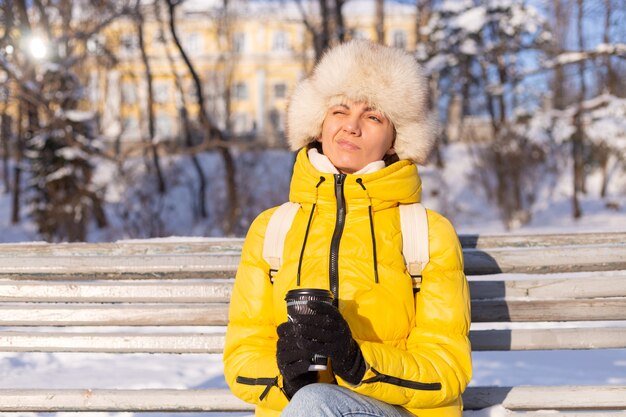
(435,367)
(250,349)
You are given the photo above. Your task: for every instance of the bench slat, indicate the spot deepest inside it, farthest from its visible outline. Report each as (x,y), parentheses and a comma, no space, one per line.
(116,292)
(582,309)
(216,314)
(561,286)
(210,291)
(514,398)
(111,342)
(601,397)
(113,314)
(221,245)
(524,241)
(125,342)
(115,266)
(548,339)
(543,260)
(201,265)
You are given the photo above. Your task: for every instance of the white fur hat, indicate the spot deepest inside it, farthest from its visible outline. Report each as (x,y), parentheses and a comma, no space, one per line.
(388,79)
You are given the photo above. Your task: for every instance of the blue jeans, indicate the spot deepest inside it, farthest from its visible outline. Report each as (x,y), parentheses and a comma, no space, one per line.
(327,400)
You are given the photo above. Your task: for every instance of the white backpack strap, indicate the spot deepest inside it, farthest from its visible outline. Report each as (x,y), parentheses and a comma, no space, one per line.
(277,228)
(414,224)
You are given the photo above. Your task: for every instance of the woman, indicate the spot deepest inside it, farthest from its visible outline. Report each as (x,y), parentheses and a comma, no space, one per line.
(361,123)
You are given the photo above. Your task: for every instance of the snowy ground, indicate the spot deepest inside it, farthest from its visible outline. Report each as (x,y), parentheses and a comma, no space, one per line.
(465,205)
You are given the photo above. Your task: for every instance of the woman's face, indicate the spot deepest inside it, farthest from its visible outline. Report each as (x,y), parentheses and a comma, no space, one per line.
(353,135)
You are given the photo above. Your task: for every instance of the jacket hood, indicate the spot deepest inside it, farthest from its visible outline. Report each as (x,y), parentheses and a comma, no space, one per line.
(388,79)
(388,187)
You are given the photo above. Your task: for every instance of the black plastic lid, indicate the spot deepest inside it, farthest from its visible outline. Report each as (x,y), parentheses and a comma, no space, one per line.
(309,292)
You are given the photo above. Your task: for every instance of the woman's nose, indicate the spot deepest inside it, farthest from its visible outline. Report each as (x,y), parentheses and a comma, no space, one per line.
(352,126)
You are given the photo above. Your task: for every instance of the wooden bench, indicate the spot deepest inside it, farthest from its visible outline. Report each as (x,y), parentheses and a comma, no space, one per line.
(145,284)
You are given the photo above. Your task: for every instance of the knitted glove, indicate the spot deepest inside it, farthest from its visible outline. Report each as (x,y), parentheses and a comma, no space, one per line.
(293,362)
(327,333)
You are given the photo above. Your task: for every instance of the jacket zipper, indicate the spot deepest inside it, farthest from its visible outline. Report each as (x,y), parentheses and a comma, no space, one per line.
(333,273)
(268,382)
(405,383)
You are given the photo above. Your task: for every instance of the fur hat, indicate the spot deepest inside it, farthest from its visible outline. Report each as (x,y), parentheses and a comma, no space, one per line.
(388,79)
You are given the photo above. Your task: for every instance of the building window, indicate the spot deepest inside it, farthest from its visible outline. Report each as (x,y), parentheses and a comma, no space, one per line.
(280,90)
(129,44)
(399,39)
(280,41)
(164,126)
(277,121)
(4,93)
(192,43)
(161,91)
(239,42)
(359,34)
(129,92)
(130,128)
(240,123)
(240,91)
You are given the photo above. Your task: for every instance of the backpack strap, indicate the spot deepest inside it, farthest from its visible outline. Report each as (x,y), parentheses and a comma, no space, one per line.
(277,228)
(414,225)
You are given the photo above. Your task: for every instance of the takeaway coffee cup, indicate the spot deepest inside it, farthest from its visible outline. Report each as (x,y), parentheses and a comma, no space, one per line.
(296,304)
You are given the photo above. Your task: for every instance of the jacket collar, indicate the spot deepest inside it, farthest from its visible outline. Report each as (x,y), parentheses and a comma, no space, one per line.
(383,188)
(323,164)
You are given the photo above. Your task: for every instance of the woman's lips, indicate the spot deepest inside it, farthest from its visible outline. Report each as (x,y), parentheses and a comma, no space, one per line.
(347,145)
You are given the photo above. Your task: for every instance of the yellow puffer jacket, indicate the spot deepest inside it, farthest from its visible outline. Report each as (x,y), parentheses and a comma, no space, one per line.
(416,347)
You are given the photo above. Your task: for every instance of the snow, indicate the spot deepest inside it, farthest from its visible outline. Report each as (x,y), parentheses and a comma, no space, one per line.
(451,190)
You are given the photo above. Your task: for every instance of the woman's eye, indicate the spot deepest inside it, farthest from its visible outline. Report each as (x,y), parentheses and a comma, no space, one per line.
(376,119)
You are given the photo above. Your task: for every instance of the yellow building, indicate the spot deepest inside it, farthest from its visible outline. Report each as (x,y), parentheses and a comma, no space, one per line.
(248,59)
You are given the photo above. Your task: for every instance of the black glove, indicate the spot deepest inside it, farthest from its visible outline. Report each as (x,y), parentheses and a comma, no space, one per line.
(293,362)
(327,333)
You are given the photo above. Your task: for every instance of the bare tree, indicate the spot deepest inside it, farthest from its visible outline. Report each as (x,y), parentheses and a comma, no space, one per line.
(211,134)
(54,138)
(380,21)
(139,19)
(578,137)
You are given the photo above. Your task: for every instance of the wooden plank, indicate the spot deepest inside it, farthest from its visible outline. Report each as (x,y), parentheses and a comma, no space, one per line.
(169,400)
(559,286)
(525,241)
(181,291)
(114,315)
(602,397)
(116,292)
(220,245)
(561,413)
(216,314)
(201,265)
(591,309)
(116,266)
(548,339)
(132,247)
(545,260)
(125,342)
(165,400)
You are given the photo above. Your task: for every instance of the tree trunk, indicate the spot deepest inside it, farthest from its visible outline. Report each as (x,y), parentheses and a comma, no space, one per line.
(578,137)
(380,21)
(17,167)
(611,79)
(340,25)
(324,38)
(210,132)
(5,137)
(151,128)
(202,116)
